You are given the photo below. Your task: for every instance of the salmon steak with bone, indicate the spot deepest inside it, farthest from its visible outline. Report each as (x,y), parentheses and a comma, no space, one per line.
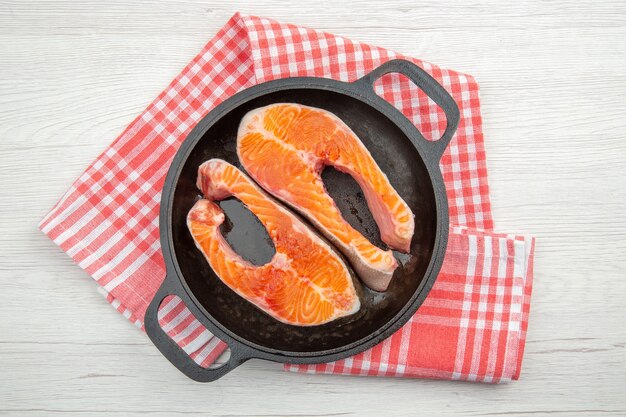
(285,146)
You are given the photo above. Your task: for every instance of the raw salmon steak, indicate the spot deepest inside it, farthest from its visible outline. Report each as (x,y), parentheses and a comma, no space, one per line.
(306,282)
(285,147)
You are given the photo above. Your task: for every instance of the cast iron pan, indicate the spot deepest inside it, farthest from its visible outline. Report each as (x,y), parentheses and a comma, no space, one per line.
(412,165)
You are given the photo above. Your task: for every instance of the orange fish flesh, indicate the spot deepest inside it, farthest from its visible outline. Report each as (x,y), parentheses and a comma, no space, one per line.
(306,282)
(284,148)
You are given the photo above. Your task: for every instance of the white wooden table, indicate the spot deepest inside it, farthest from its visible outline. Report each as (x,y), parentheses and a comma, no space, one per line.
(73,74)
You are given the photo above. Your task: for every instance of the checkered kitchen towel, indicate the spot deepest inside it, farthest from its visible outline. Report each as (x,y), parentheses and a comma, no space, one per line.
(472,325)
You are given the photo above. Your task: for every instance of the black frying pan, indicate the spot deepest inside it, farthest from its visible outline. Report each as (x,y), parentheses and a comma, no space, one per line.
(412,165)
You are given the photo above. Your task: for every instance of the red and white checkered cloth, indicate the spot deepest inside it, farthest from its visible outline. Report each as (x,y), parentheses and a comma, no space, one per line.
(473,324)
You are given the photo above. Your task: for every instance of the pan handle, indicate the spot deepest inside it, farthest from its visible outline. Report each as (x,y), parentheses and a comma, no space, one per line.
(175,354)
(428,85)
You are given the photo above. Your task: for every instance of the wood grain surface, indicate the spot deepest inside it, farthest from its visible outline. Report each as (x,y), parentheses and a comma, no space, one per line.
(73,74)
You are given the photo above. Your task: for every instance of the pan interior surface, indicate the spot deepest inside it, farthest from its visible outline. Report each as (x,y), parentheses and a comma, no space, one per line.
(396,156)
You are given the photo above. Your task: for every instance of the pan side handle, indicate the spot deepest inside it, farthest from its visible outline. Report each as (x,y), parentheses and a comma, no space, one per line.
(428,85)
(174,353)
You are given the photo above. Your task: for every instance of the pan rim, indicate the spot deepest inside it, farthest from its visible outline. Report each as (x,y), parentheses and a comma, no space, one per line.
(174,273)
